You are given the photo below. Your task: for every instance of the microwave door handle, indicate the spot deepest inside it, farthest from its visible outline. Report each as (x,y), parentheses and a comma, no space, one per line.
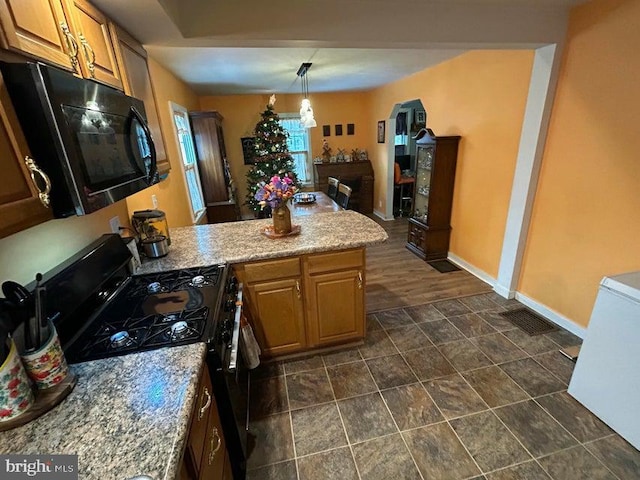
(152,147)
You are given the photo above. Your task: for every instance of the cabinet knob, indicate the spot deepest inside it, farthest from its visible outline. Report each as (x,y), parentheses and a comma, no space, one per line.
(207,404)
(43,190)
(214,438)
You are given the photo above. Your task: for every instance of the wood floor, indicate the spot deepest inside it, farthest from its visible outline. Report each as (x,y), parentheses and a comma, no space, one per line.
(397,278)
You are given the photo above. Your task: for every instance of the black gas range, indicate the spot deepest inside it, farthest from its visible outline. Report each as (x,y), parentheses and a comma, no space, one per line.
(154,311)
(101,311)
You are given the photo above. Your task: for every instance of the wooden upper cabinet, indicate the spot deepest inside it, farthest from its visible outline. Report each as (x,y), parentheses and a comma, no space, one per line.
(20,204)
(134,70)
(96,53)
(38,28)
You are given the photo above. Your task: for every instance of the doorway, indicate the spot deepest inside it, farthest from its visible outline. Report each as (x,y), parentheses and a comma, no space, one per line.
(405,121)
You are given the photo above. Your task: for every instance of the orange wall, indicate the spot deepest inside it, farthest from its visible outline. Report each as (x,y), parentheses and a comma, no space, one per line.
(171,193)
(586,221)
(242,112)
(480,96)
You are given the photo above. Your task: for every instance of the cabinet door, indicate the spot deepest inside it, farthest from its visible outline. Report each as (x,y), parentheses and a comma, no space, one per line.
(38,28)
(215,449)
(132,59)
(98,59)
(278,314)
(335,307)
(228,473)
(205,404)
(20,204)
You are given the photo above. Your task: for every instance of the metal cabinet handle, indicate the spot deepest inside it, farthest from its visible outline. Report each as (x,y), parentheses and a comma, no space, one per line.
(72,45)
(360,280)
(206,405)
(298,289)
(90,54)
(34,169)
(213,451)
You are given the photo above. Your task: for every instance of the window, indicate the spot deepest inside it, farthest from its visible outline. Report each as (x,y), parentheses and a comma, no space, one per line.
(298,144)
(189,163)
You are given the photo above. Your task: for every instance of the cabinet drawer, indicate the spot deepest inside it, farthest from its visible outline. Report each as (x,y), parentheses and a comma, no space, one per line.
(271,270)
(326,262)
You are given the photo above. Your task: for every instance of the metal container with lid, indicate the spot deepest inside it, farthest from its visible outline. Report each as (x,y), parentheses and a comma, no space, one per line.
(150,224)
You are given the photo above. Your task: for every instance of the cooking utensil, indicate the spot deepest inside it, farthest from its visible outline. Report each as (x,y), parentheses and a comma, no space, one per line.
(23,300)
(41,312)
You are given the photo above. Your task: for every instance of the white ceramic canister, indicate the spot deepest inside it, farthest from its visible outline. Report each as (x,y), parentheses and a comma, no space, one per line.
(16,395)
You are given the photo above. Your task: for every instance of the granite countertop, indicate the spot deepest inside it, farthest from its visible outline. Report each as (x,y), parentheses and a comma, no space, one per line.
(238,242)
(127,415)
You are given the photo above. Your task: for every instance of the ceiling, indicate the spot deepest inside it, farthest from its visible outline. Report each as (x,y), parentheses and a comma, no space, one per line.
(252,46)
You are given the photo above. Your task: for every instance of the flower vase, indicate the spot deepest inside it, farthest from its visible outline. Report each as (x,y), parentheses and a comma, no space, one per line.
(282,220)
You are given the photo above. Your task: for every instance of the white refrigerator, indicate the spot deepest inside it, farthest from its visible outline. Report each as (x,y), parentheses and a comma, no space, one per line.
(606,378)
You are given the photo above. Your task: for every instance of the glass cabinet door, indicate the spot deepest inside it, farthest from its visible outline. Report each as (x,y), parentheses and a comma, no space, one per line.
(424,166)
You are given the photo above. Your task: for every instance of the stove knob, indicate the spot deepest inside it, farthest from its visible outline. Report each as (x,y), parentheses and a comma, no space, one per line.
(232,287)
(229,305)
(225,336)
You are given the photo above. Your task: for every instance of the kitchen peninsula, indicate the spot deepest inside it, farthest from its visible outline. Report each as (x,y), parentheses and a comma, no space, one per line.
(301,292)
(239,242)
(130,415)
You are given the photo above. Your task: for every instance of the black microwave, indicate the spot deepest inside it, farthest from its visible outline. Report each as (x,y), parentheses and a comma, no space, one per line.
(90,140)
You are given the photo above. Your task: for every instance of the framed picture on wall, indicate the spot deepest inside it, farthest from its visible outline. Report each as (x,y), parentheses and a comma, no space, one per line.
(248,149)
(381,131)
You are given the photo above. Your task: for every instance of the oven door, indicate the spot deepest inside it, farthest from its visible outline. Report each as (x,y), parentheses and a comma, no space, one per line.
(231,387)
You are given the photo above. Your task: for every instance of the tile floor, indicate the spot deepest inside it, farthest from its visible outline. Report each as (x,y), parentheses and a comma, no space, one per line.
(448,390)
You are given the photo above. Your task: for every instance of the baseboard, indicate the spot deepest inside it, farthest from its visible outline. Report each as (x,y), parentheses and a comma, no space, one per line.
(537,307)
(503,291)
(475,271)
(382,216)
(551,315)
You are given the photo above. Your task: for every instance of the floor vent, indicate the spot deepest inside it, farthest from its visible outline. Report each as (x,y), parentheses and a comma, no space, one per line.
(530,322)
(443,266)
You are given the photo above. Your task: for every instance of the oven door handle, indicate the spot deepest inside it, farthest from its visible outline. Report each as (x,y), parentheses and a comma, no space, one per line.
(235,337)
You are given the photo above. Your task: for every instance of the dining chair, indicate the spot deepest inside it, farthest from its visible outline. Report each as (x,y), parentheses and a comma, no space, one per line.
(405,197)
(332,189)
(344,194)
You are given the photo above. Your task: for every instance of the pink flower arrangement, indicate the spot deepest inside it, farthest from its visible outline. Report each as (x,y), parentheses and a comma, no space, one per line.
(276,192)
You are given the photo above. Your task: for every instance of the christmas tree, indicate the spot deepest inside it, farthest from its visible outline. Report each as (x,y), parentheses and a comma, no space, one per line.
(271,156)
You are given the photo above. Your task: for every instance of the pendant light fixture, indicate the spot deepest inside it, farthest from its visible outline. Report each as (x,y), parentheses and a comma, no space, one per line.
(306,112)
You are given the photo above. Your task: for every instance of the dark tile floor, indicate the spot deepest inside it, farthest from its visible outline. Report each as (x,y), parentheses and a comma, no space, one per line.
(449,390)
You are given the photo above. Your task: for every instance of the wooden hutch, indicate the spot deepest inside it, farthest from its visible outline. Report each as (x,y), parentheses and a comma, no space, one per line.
(430,221)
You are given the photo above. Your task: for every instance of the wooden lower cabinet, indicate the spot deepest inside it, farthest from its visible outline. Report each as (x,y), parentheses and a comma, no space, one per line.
(206,455)
(334,297)
(300,303)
